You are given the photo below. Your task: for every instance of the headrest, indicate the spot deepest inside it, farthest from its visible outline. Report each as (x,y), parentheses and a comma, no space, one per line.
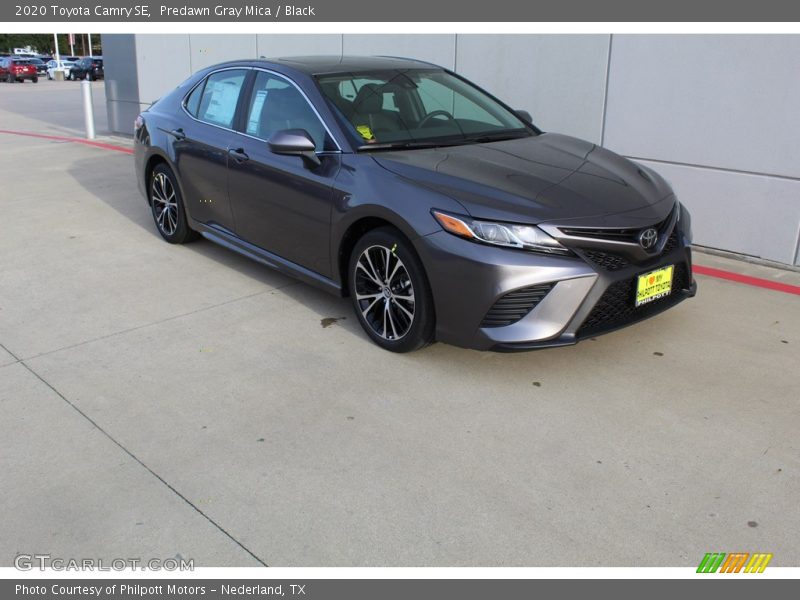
(369,99)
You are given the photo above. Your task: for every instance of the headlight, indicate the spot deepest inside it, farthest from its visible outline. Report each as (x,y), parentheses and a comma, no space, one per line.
(525,237)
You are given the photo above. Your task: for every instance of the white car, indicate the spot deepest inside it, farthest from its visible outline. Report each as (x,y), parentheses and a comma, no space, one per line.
(58,65)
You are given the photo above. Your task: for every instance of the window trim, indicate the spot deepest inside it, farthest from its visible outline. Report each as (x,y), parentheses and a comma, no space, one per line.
(203,82)
(240,105)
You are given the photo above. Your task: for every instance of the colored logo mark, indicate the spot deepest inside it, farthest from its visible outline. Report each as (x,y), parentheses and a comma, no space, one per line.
(735,562)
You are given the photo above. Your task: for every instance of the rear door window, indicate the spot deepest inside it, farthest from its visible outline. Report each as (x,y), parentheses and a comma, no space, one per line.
(220,96)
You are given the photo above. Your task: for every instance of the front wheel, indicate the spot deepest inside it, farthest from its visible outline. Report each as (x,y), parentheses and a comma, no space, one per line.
(35,79)
(167,207)
(390,291)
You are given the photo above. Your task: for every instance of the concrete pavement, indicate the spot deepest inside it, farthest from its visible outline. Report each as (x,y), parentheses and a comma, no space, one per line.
(161,401)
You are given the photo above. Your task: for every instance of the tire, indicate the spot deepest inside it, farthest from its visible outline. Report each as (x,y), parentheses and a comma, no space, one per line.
(397,314)
(89,77)
(35,79)
(72,76)
(166,204)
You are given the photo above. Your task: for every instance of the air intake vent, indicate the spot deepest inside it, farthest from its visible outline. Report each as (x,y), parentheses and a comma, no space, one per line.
(515,305)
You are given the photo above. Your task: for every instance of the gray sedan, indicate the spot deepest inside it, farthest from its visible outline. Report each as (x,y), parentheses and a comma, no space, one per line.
(440,211)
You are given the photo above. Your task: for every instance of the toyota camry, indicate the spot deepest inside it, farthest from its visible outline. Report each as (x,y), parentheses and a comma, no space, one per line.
(441,212)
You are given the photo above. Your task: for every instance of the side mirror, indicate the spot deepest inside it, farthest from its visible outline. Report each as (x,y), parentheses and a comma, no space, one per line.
(525,116)
(294,142)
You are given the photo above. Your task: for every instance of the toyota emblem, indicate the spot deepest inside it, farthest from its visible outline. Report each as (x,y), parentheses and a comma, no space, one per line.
(648,238)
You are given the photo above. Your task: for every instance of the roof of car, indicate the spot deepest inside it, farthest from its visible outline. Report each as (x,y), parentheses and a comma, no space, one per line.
(320,65)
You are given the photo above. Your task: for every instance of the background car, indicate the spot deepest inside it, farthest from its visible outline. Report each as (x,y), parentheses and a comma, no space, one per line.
(41,66)
(14,69)
(440,211)
(87,68)
(55,65)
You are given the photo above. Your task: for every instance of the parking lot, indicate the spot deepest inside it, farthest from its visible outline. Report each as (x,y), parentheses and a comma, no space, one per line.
(161,401)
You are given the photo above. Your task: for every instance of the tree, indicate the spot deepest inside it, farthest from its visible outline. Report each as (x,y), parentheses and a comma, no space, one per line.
(41,42)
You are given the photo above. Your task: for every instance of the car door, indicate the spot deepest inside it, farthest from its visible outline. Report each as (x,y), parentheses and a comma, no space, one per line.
(282,203)
(201,142)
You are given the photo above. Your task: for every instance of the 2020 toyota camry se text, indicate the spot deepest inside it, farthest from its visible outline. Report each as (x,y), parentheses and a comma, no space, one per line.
(440,211)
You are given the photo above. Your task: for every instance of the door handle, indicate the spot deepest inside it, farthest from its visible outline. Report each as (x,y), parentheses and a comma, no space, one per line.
(238,154)
(178,134)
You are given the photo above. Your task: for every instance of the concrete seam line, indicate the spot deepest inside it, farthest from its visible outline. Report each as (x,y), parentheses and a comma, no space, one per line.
(16,358)
(165,320)
(712,168)
(134,457)
(605,91)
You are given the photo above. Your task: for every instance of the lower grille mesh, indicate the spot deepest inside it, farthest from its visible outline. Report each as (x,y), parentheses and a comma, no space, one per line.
(515,305)
(616,305)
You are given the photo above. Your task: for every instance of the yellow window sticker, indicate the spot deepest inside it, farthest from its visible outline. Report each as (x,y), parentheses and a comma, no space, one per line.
(365,132)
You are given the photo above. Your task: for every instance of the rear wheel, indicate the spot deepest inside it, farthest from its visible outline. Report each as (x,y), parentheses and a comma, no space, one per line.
(35,79)
(72,76)
(167,207)
(390,291)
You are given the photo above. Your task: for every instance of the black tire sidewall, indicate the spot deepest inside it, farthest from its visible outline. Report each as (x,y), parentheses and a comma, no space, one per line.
(422,329)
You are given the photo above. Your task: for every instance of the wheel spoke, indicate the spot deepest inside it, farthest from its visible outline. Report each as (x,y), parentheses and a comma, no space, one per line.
(391,320)
(369,308)
(397,267)
(409,298)
(372,277)
(368,296)
(404,309)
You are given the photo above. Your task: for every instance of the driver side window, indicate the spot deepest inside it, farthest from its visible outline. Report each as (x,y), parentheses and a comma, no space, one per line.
(276,105)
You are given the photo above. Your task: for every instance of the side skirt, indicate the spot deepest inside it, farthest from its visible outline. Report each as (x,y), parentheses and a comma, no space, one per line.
(233,242)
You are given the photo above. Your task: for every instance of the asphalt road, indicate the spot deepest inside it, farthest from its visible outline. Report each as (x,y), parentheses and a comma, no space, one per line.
(161,401)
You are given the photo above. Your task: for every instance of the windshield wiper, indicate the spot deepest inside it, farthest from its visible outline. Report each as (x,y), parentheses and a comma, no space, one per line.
(494,137)
(404,145)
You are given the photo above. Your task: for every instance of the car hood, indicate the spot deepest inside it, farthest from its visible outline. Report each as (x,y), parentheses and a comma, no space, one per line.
(538,179)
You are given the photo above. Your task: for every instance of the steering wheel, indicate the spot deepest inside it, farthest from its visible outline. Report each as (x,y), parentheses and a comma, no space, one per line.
(432,115)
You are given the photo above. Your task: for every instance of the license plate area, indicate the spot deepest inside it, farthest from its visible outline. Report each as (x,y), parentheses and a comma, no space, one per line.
(654,285)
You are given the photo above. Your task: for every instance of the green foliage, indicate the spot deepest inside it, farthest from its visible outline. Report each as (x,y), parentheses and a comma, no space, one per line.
(43,42)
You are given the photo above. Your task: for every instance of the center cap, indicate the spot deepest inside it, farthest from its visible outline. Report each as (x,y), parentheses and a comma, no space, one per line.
(387,293)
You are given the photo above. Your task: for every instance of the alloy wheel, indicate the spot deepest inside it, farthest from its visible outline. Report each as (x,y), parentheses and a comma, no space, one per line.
(165,203)
(384,292)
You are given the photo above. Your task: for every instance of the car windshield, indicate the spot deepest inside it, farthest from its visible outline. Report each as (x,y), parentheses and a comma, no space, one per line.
(408,108)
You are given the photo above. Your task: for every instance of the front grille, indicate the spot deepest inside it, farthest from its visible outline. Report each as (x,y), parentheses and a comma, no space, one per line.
(672,241)
(607,260)
(628,234)
(515,305)
(616,305)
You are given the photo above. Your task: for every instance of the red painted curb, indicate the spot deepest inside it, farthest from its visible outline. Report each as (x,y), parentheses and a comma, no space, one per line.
(747,280)
(60,138)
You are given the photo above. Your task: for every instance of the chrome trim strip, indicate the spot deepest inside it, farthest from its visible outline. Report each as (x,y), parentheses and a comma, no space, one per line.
(242,133)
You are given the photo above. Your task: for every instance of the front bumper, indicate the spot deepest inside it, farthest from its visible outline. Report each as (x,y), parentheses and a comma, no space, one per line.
(585,298)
